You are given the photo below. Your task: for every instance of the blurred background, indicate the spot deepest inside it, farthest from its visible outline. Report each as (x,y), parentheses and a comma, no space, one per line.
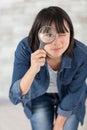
(16,18)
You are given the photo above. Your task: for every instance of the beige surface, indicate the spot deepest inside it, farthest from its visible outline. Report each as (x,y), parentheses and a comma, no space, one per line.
(13,118)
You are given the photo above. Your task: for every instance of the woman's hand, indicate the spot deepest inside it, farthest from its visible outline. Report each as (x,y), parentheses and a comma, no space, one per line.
(37,60)
(59,123)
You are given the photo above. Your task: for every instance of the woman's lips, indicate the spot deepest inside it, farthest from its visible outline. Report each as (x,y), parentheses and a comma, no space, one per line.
(56,49)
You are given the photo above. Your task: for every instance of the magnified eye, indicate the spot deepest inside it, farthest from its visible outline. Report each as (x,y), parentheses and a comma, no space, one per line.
(46,34)
(50,35)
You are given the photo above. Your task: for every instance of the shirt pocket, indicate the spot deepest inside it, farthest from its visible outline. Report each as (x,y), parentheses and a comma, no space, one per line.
(66,81)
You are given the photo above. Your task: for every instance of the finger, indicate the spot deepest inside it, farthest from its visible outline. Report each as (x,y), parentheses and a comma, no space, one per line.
(41,62)
(40,55)
(39,52)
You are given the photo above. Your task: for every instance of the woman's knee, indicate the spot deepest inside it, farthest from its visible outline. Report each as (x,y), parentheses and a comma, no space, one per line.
(71,123)
(42,119)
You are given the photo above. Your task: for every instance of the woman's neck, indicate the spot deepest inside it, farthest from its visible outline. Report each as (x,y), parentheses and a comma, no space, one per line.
(54,63)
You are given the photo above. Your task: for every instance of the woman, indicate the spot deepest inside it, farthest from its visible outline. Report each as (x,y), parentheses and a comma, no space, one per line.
(50,81)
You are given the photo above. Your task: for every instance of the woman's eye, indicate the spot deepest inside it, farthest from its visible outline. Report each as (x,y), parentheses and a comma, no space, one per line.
(62,34)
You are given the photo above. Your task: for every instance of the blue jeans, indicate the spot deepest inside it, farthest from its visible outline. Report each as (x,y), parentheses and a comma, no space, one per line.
(44,112)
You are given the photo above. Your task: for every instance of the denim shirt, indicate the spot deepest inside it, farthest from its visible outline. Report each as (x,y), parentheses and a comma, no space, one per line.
(70,81)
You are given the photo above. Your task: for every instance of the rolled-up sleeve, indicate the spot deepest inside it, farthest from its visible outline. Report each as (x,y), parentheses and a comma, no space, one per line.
(64,113)
(15,92)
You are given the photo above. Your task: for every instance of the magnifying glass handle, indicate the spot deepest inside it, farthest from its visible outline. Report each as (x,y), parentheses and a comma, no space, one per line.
(42,44)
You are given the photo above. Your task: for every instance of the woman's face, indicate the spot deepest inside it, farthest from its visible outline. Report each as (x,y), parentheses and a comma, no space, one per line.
(59,45)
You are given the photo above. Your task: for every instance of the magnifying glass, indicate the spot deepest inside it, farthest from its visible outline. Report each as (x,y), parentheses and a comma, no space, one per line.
(46,35)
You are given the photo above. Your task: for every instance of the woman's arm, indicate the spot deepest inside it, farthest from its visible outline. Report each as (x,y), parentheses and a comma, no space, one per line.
(76,92)
(37,60)
(24,70)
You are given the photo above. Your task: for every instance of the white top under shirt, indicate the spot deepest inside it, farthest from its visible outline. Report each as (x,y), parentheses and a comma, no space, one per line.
(53,81)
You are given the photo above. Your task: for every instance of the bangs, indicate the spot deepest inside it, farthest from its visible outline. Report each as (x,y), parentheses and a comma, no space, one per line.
(60,26)
(47,21)
(59,23)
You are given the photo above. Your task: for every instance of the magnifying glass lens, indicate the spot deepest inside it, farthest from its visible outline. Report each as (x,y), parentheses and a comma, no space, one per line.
(46,34)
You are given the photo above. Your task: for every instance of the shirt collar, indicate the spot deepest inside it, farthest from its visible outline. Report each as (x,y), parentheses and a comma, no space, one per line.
(66,62)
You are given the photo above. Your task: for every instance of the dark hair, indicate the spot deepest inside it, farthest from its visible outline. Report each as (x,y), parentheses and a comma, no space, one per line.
(47,16)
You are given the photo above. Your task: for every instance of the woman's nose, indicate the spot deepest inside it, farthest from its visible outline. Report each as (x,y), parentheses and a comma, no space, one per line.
(57,41)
